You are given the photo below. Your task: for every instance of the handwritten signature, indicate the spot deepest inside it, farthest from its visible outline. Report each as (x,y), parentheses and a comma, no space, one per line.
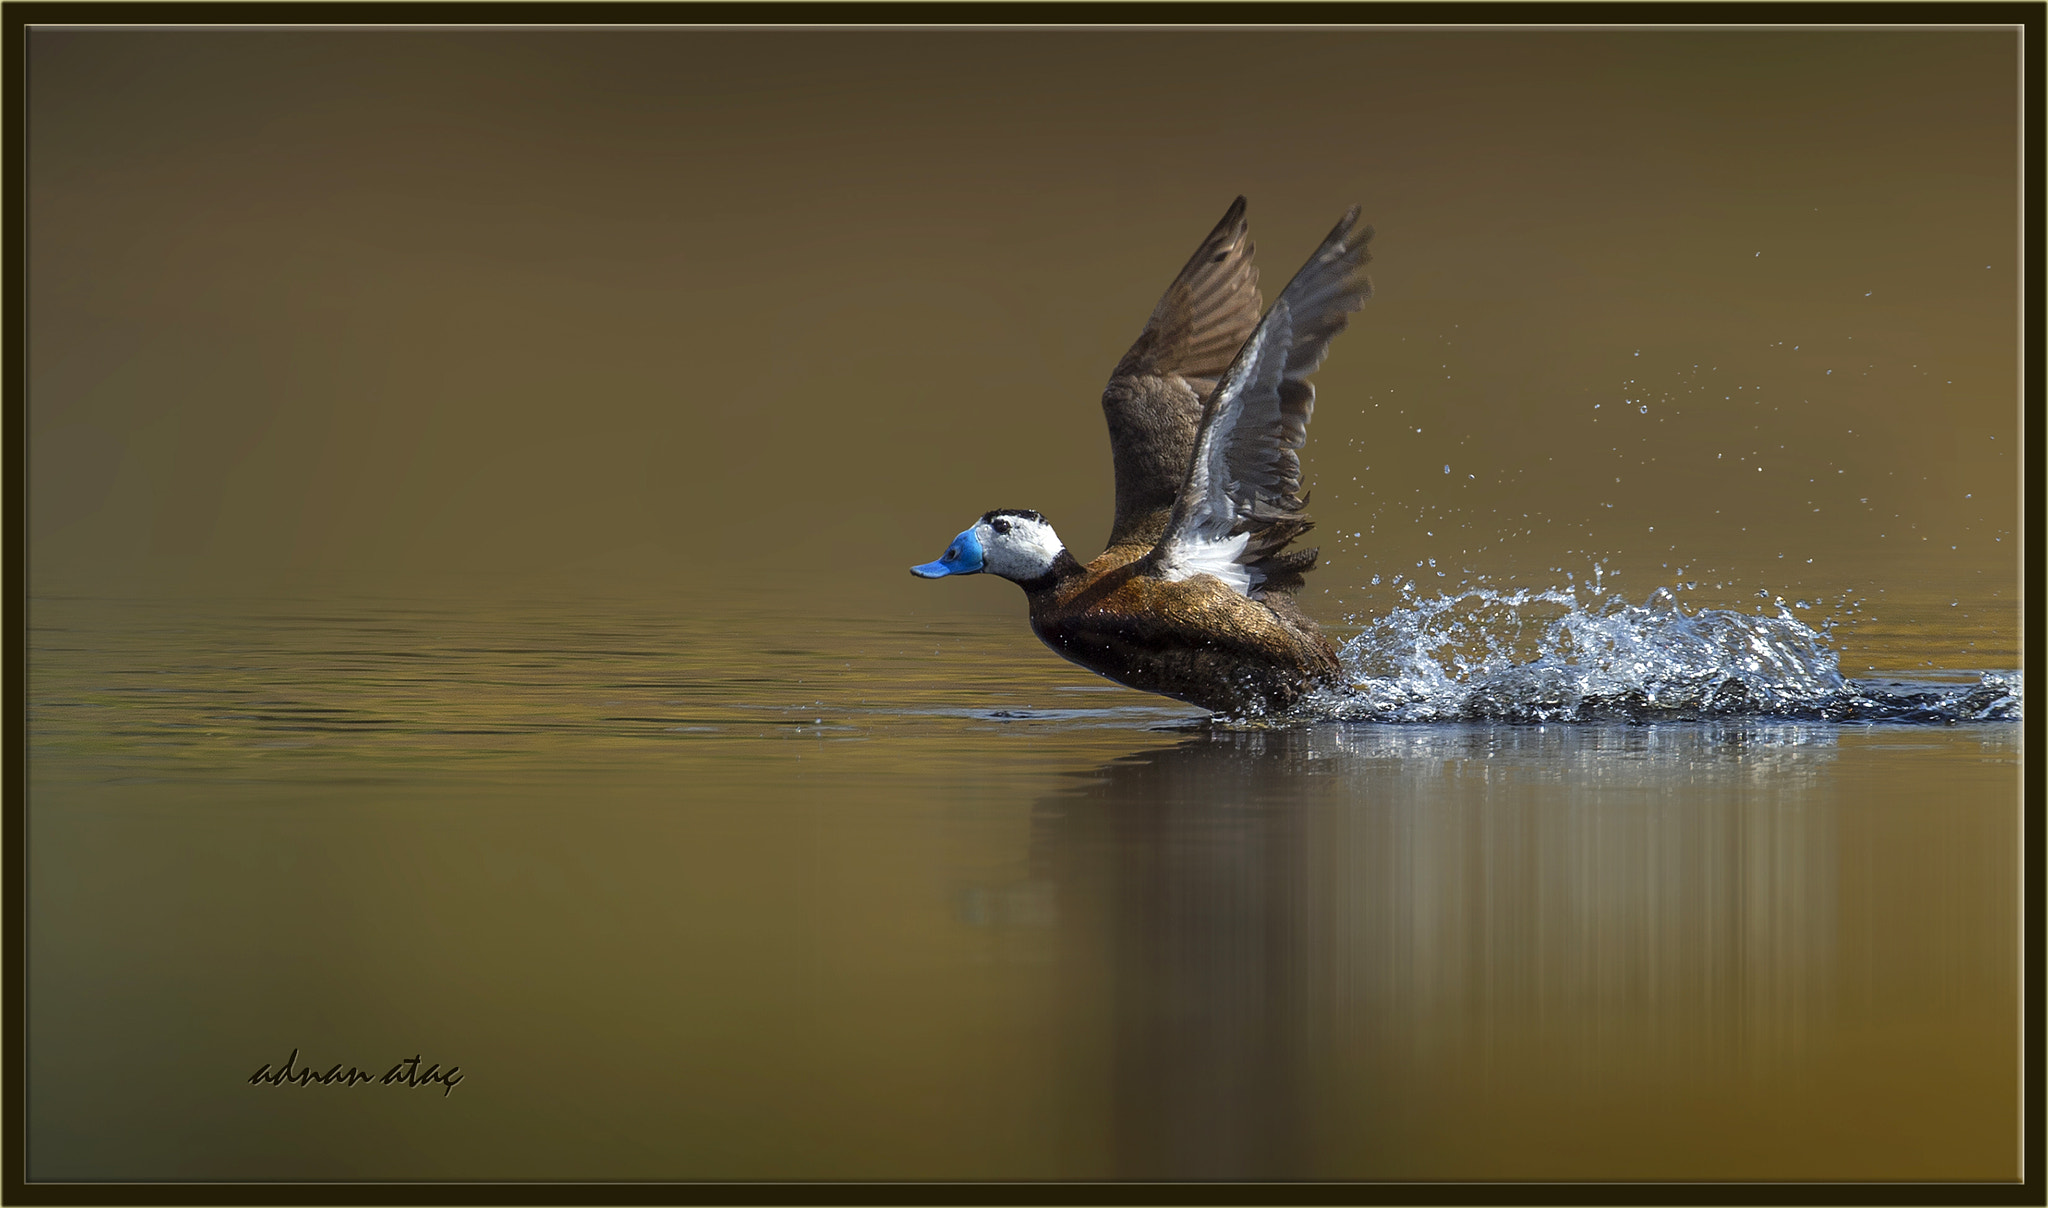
(405,1073)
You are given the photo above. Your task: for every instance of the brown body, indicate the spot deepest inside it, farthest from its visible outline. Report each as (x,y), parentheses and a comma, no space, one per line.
(1192,639)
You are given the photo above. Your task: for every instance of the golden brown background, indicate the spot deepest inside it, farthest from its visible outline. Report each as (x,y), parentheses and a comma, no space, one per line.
(422,312)
(503,451)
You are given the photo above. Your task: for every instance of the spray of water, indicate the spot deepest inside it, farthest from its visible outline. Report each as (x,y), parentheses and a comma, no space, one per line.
(1527,656)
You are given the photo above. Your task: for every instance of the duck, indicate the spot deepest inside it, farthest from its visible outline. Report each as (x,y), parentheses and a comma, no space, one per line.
(1193,597)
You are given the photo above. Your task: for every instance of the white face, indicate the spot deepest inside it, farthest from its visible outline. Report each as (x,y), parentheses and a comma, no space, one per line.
(1017,547)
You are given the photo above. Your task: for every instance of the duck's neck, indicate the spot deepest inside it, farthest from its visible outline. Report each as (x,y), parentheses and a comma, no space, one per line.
(1063,568)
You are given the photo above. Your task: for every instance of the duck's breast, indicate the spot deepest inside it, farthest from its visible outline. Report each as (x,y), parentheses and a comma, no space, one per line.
(1194,639)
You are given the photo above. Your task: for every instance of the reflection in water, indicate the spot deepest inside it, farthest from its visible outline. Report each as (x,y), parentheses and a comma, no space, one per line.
(1289,909)
(1202,889)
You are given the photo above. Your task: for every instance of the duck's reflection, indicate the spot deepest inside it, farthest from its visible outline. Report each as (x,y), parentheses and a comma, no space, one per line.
(1185,867)
(1293,926)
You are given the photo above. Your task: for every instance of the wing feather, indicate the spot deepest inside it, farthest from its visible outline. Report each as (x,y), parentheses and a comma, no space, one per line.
(1243,484)
(1154,398)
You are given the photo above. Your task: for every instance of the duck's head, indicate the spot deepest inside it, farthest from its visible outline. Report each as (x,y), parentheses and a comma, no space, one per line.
(1018,545)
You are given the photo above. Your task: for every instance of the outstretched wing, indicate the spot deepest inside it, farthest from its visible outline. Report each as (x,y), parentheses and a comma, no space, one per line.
(1240,504)
(1154,398)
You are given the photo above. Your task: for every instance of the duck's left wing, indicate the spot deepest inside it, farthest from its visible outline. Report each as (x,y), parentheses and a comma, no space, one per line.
(1240,505)
(1154,398)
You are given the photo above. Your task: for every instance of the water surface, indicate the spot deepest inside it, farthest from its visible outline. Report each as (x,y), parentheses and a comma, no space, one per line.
(716,895)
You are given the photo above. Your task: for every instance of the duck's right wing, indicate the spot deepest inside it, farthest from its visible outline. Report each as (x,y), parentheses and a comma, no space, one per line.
(1240,504)
(1154,399)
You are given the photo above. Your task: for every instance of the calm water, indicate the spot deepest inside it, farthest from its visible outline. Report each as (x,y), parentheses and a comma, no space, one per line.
(690,893)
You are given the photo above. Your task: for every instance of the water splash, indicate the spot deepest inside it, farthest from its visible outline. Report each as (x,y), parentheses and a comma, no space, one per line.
(1527,656)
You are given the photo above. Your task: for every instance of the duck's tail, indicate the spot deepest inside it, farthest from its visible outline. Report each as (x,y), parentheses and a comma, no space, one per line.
(1273,566)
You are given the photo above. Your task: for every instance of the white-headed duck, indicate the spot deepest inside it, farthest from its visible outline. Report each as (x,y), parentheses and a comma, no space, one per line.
(1194,597)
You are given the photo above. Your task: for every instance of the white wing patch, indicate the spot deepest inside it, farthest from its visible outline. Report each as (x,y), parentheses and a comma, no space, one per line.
(1196,555)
